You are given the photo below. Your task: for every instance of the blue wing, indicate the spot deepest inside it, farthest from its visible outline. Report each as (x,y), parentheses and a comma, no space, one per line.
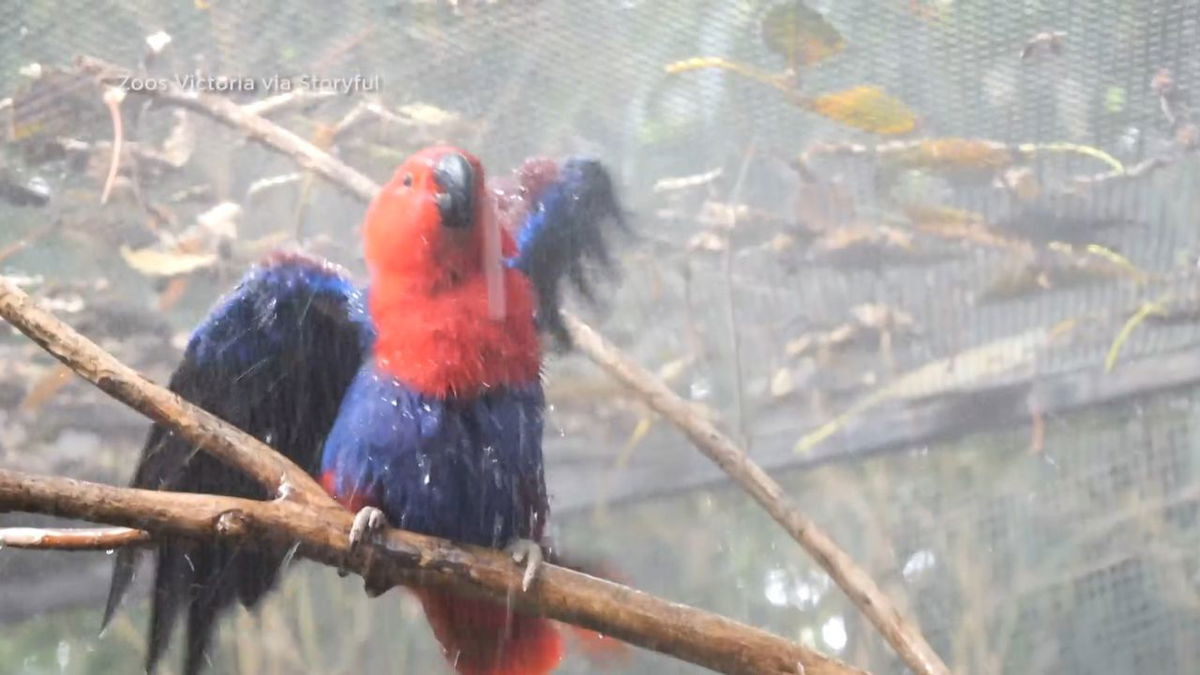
(467,470)
(564,232)
(273,358)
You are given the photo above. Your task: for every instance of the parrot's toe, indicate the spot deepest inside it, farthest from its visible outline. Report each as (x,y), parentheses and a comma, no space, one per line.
(367,522)
(529,552)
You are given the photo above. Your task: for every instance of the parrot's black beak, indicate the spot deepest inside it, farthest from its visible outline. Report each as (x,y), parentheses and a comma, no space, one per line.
(456,202)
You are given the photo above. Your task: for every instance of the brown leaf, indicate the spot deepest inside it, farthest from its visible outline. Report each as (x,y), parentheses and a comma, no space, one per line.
(45,387)
(800,34)
(155,263)
(868,108)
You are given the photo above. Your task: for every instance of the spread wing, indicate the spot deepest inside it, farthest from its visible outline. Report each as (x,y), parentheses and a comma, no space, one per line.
(569,217)
(273,358)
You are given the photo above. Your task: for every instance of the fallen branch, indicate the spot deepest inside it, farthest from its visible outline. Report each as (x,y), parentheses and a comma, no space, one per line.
(226,442)
(693,635)
(81,539)
(898,630)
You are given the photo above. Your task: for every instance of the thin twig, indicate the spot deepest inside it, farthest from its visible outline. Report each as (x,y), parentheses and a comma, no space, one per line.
(9,250)
(296,97)
(112,99)
(80,539)
(898,630)
(226,442)
(693,635)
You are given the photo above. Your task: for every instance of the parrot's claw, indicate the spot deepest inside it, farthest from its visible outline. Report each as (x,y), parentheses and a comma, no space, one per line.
(529,552)
(367,522)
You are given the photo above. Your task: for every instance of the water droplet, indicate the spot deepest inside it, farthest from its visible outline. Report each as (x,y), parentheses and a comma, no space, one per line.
(917,563)
(63,655)
(833,633)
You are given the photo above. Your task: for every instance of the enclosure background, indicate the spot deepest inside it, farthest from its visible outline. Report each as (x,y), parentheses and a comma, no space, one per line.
(1072,553)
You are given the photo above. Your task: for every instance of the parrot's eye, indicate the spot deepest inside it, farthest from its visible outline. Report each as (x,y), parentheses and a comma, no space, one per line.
(408,180)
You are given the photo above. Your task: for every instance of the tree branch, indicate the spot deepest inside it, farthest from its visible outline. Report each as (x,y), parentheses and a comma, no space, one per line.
(695,636)
(80,539)
(322,526)
(901,633)
(904,636)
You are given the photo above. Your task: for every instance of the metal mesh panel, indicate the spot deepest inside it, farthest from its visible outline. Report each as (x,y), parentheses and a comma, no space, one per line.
(1077,556)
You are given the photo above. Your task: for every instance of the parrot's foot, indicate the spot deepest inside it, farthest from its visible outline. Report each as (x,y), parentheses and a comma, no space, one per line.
(367,522)
(529,552)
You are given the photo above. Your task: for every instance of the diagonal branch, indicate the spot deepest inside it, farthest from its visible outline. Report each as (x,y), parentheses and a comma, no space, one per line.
(904,637)
(230,444)
(693,635)
(900,632)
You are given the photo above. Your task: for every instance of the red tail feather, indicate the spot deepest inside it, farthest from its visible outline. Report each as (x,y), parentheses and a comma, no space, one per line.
(481,637)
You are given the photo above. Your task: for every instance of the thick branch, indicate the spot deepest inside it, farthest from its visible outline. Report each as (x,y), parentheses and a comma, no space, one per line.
(638,618)
(82,539)
(225,441)
(871,600)
(898,631)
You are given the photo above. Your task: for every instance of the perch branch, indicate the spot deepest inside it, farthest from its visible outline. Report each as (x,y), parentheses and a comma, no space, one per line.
(871,600)
(899,632)
(322,527)
(693,635)
(80,539)
(226,442)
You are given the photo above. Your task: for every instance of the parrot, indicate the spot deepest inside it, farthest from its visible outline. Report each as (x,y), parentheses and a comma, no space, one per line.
(416,400)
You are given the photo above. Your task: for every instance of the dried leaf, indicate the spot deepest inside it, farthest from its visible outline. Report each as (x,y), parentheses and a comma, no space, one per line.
(952,154)
(782,383)
(867,108)
(780,82)
(45,387)
(781,242)
(173,293)
(962,226)
(684,182)
(880,317)
(707,241)
(181,142)
(1022,183)
(221,220)
(800,34)
(845,238)
(672,370)
(156,263)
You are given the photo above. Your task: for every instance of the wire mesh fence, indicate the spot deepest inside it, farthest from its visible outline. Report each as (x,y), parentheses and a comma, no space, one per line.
(932,261)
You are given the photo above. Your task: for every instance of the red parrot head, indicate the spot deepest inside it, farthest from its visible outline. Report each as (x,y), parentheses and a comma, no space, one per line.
(432,222)
(450,316)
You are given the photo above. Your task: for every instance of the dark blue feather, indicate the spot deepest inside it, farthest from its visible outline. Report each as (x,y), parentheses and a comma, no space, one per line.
(565,234)
(274,358)
(468,470)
